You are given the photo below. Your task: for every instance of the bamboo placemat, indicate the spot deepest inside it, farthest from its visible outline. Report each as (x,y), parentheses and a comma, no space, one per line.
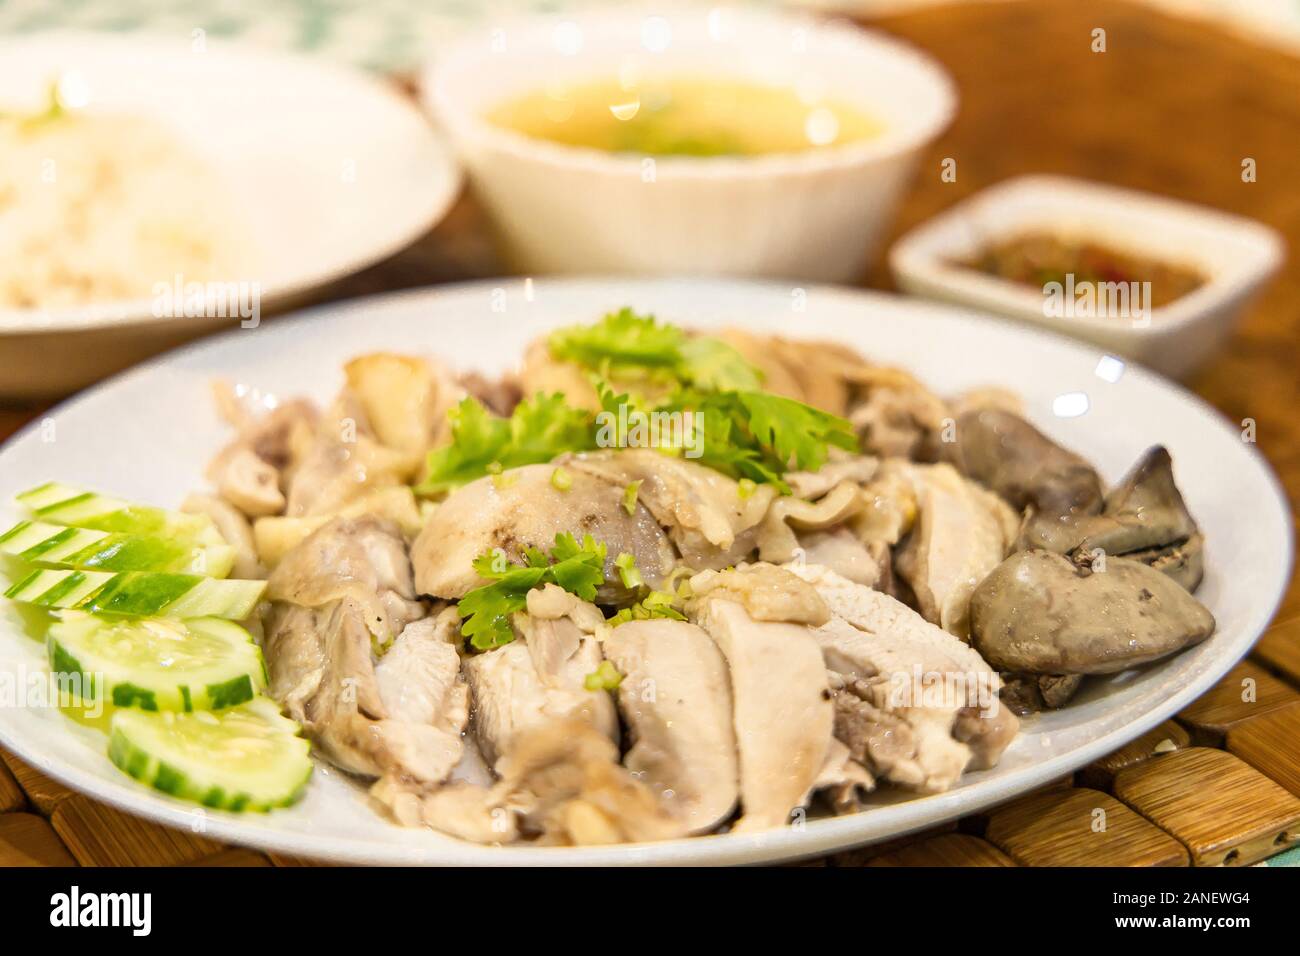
(1172,107)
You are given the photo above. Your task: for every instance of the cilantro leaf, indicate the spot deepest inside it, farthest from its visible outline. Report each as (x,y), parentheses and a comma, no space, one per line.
(621,340)
(543,427)
(617,412)
(491,565)
(624,344)
(713,364)
(795,432)
(747,433)
(760,436)
(578,567)
(485,612)
(567,546)
(538,430)
(726,445)
(478,438)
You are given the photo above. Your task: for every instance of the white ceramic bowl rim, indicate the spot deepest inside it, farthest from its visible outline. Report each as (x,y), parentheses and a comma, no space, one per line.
(442,82)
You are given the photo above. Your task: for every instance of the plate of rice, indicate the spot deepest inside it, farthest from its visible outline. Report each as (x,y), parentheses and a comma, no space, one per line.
(155,188)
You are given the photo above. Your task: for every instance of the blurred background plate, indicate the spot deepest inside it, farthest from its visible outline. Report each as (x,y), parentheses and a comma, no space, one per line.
(328,170)
(148,435)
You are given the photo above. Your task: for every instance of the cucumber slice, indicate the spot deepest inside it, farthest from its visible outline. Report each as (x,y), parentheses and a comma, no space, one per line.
(58,503)
(246,758)
(139,593)
(204,663)
(87,548)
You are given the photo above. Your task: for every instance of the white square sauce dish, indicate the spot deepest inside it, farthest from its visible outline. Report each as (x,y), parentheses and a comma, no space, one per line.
(1227,258)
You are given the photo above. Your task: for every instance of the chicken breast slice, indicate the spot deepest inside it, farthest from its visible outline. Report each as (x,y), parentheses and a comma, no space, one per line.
(552,743)
(419,677)
(675,698)
(538,678)
(527,510)
(915,705)
(841,551)
(782,711)
(962,533)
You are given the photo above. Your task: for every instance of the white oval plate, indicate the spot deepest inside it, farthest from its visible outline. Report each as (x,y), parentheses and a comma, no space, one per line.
(149,433)
(328,169)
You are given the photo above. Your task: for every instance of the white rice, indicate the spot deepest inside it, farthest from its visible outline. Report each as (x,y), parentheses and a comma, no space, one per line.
(100,208)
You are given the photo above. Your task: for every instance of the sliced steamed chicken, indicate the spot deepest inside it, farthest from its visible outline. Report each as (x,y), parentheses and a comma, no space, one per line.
(540,676)
(552,742)
(253,471)
(710,521)
(913,703)
(761,619)
(234,527)
(523,508)
(340,599)
(675,697)
(962,532)
(345,462)
(392,410)
(405,399)
(817,523)
(564,782)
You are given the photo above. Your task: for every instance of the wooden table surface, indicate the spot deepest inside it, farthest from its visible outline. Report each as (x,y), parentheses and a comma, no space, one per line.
(1171,106)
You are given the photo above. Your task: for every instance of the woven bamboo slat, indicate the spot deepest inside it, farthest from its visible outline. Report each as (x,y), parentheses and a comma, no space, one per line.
(951,849)
(1222,809)
(1161,739)
(1080,827)
(1246,691)
(100,835)
(43,792)
(1271,744)
(29,840)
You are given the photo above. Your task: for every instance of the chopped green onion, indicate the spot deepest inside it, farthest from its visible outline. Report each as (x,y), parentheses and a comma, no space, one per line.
(655,604)
(561,480)
(630,493)
(604,677)
(628,571)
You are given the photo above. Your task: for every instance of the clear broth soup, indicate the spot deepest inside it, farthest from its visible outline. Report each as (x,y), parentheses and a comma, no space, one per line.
(683,116)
